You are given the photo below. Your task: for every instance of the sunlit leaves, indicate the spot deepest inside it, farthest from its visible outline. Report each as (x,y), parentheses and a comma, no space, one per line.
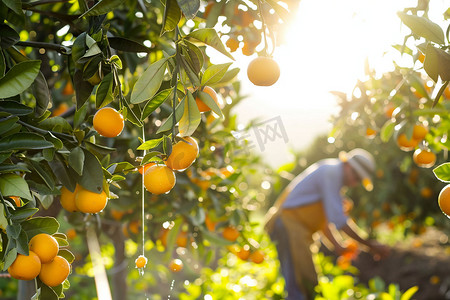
(104,94)
(442,172)
(126,45)
(102,7)
(209,101)
(437,63)
(155,102)
(150,81)
(19,78)
(214,73)
(14,185)
(191,117)
(169,121)
(423,27)
(41,93)
(209,37)
(172,15)
(189,7)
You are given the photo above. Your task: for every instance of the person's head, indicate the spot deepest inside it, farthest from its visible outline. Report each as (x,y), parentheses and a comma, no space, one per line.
(359,166)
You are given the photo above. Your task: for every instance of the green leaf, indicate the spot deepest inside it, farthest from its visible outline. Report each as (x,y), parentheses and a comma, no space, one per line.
(126,45)
(209,37)
(124,167)
(41,169)
(209,101)
(102,7)
(15,108)
(172,16)
(229,76)
(47,292)
(194,54)
(151,156)
(62,242)
(67,255)
(191,117)
(19,78)
(8,36)
(116,61)
(10,258)
(150,144)
(189,7)
(14,185)
(214,74)
(6,124)
(2,64)
(167,145)
(76,160)
(280,10)
(150,81)
(22,214)
(168,123)
(92,178)
(37,225)
(41,93)
(439,94)
(104,94)
(24,141)
(423,27)
(63,173)
(57,124)
(409,293)
(442,172)
(13,231)
(190,72)
(155,102)
(18,167)
(83,89)
(79,47)
(14,5)
(437,63)
(387,131)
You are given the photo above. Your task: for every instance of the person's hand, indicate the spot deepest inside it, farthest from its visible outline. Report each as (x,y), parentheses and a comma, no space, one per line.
(379,251)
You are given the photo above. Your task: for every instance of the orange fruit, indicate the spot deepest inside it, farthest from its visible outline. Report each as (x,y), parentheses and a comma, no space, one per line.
(208,8)
(263,71)
(343,262)
(55,272)
(226,172)
(419,132)
(68,88)
(176,265)
(182,239)
(406,144)
(421,57)
(426,192)
(45,246)
(134,227)
(144,168)
(447,92)
(141,261)
(62,108)
(117,214)
(67,198)
(71,234)
(389,110)
(444,200)
(232,44)
(370,133)
(210,225)
(248,49)
(108,122)
(183,154)
(90,202)
(159,179)
(25,267)
(230,233)
(202,107)
(244,252)
(16,200)
(257,256)
(424,158)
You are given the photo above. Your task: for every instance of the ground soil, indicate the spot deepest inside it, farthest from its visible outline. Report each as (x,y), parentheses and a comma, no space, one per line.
(422,261)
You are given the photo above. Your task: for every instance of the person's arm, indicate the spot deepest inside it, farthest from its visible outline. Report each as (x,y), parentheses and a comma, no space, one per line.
(351,229)
(331,237)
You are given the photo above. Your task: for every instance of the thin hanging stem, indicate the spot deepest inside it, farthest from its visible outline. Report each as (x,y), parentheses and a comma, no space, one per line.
(143,196)
(175,83)
(263,27)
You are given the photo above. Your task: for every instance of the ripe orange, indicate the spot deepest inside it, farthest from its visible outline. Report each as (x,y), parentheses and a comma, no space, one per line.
(141,261)
(117,214)
(244,252)
(182,239)
(159,179)
(447,92)
(226,172)
(62,108)
(25,267)
(421,57)
(257,256)
(90,202)
(444,200)
(71,234)
(68,88)
(108,122)
(133,227)
(389,110)
(426,192)
(45,246)
(343,262)
(55,272)
(370,133)
(419,132)
(248,49)
(406,144)
(263,71)
(144,169)
(16,200)
(202,107)
(424,158)
(183,154)
(232,44)
(230,233)
(176,265)
(67,198)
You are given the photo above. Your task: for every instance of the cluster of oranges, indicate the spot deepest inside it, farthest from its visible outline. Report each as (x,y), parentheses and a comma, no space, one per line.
(245,252)
(423,156)
(42,261)
(83,200)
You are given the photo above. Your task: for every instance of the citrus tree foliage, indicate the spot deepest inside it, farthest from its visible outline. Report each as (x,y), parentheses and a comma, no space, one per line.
(61,61)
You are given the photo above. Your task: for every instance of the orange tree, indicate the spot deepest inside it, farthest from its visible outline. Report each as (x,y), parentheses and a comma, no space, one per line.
(92,92)
(402,118)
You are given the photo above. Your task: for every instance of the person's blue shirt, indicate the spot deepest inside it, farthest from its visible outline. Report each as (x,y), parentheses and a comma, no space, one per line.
(321,181)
